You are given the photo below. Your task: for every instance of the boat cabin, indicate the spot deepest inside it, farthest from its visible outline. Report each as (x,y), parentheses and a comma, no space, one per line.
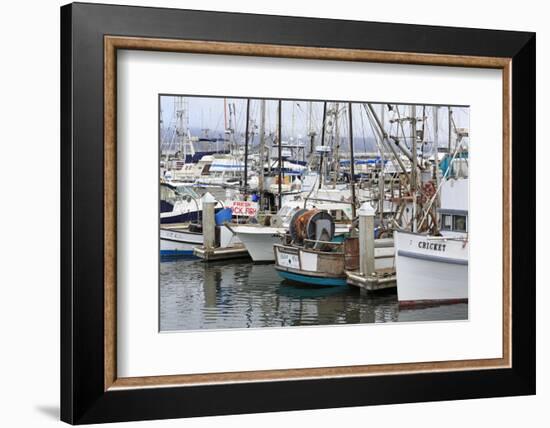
(454,206)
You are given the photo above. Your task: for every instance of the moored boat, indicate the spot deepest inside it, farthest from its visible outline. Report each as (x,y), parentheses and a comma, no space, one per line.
(434,269)
(309,266)
(259,240)
(180,240)
(431,269)
(311,257)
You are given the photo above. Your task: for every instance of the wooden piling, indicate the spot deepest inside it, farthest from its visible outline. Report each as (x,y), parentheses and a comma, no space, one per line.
(366,239)
(209,221)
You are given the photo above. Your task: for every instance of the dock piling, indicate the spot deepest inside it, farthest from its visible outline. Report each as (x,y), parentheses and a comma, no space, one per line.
(209,221)
(366,239)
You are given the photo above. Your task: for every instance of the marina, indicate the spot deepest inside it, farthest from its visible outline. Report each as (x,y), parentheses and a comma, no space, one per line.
(319,204)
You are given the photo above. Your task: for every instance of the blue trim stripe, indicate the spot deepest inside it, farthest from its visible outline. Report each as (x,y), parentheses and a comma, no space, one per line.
(176,253)
(312,280)
(430,258)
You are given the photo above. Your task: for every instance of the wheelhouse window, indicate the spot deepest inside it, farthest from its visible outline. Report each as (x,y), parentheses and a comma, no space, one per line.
(446,222)
(459,223)
(454,222)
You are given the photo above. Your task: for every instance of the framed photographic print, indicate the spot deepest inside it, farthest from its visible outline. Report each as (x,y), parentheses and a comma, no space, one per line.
(265,213)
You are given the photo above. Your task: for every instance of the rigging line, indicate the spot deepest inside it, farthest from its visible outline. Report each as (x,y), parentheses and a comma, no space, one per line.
(364,134)
(377,132)
(400,125)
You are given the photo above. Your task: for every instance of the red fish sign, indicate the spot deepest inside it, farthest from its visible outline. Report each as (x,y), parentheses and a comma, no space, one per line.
(244,208)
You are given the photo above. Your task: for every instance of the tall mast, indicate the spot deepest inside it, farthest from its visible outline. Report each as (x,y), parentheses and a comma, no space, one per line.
(293,120)
(182,125)
(436,160)
(450,125)
(230,130)
(246,132)
(414,163)
(309,117)
(262,150)
(280,154)
(225,114)
(352,159)
(337,145)
(322,144)
(381,175)
(311,132)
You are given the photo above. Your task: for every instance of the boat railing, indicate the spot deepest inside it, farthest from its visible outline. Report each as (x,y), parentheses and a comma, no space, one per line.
(316,244)
(333,201)
(336,244)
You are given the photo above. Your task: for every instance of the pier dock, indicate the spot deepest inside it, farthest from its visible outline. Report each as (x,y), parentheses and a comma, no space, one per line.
(225,253)
(381,279)
(369,276)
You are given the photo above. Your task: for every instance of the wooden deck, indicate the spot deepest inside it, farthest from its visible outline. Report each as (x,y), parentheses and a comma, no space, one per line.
(227,253)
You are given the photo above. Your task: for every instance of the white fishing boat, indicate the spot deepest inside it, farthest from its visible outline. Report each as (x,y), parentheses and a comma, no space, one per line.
(179,240)
(434,269)
(259,239)
(310,257)
(431,269)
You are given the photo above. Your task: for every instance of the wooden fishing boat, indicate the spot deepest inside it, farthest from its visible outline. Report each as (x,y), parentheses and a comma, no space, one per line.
(310,266)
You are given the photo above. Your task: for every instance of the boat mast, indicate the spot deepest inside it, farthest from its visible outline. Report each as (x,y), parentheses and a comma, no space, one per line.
(311,132)
(322,144)
(450,126)
(352,160)
(182,125)
(336,156)
(225,114)
(381,175)
(262,151)
(246,136)
(436,164)
(280,154)
(293,121)
(232,143)
(414,164)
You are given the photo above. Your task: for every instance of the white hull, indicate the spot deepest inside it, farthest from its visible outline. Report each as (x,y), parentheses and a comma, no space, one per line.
(430,268)
(259,241)
(178,242)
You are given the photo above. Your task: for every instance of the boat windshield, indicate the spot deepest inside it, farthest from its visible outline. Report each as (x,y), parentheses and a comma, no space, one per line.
(173,194)
(168,194)
(187,191)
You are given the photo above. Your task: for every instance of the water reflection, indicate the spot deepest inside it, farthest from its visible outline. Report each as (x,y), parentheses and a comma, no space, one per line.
(195,295)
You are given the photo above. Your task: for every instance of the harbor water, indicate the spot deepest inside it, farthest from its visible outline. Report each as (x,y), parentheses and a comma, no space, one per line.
(239,294)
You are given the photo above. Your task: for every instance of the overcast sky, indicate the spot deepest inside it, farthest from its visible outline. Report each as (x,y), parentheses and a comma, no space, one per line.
(208,113)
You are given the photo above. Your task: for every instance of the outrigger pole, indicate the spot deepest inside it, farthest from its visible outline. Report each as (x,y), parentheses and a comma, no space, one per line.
(385,140)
